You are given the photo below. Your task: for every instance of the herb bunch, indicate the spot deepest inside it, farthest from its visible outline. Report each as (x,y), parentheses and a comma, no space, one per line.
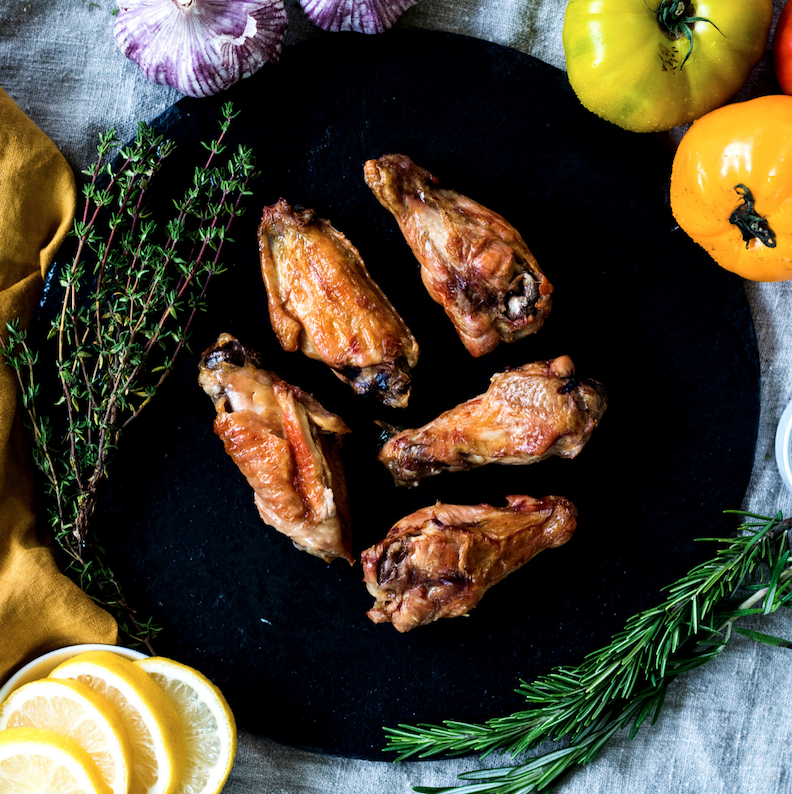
(128,299)
(622,684)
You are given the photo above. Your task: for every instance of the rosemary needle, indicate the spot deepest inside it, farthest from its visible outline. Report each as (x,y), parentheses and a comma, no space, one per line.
(624,683)
(127,302)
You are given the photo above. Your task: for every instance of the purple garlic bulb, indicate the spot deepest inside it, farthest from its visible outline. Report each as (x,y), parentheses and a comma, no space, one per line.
(200,47)
(360,16)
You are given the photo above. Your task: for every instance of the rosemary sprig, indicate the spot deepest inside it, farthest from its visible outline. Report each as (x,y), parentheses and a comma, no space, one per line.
(129,297)
(622,684)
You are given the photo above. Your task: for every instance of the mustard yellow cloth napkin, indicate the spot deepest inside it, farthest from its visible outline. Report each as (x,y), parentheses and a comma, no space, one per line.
(40,609)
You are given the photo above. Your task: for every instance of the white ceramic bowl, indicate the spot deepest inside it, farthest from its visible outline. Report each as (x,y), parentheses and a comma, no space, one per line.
(44,665)
(783,446)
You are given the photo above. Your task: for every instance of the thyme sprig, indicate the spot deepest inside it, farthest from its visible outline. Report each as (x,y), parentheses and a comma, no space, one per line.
(129,296)
(622,684)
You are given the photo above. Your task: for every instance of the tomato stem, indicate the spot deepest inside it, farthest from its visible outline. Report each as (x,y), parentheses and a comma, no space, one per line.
(749,222)
(676,19)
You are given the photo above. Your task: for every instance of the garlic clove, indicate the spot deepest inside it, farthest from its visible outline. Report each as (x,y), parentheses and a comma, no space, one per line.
(200,47)
(360,16)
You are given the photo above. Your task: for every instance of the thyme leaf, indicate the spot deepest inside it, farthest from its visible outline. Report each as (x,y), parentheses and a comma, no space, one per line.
(621,685)
(129,296)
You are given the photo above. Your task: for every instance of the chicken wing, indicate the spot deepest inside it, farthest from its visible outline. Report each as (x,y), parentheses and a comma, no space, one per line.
(278,436)
(439,561)
(323,300)
(526,415)
(474,263)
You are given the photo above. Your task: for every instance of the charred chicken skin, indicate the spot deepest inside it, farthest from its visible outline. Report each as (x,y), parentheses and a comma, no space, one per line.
(439,561)
(278,436)
(526,415)
(474,263)
(323,301)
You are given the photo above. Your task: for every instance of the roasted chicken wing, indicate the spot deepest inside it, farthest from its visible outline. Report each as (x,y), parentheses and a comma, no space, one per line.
(323,301)
(526,415)
(439,561)
(279,437)
(474,263)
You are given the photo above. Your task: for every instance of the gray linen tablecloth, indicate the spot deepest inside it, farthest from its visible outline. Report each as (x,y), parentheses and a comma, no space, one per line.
(726,727)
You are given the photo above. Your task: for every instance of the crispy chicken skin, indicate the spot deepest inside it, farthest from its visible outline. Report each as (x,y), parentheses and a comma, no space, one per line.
(474,263)
(323,301)
(526,415)
(278,437)
(439,561)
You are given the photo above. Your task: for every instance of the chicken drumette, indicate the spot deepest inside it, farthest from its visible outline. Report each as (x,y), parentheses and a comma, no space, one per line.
(439,561)
(323,301)
(474,263)
(279,437)
(526,415)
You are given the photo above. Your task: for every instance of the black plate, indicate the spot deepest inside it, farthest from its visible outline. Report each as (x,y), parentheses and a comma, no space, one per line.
(637,306)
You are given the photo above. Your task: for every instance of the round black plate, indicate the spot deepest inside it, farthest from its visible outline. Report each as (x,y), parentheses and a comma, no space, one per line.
(637,306)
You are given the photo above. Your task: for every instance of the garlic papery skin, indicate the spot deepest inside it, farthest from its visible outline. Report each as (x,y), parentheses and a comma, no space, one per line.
(360,16)
(200,47)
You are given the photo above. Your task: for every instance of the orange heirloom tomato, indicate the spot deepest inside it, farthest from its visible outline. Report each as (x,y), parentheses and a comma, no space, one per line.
(731,186)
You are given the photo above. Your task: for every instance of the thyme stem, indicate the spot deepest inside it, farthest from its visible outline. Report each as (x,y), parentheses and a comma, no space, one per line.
(130,295)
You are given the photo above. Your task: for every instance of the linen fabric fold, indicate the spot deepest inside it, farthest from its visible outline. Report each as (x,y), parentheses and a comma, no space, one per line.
(40,608)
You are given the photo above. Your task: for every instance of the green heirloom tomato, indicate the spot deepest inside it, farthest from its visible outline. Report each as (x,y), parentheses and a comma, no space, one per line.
(648,65)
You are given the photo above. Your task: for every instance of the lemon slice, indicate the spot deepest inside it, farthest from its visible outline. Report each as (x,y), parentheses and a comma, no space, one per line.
(209,727)
(71,709)
(38,761)
(154,728)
